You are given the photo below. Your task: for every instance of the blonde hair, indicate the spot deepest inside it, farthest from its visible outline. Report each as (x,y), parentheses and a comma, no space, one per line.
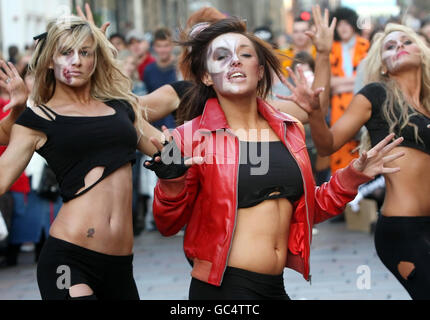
(396,109)
(107,82)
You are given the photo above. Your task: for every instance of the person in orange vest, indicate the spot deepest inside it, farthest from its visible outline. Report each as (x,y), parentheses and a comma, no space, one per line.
(349,49)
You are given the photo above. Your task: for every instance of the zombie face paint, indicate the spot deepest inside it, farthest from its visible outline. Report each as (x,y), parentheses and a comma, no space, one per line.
(399,52)
(232,64)
(74,67)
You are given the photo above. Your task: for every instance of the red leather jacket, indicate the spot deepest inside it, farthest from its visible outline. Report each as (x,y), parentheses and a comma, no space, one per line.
(208,203)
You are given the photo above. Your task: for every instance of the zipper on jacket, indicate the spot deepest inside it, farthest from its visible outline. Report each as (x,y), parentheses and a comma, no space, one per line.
(237,201)
(307,209)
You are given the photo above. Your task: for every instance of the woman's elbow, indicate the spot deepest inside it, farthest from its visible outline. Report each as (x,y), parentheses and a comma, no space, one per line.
(3,189)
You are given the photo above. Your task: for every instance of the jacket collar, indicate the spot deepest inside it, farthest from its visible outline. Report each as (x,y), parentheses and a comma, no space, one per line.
(213,117)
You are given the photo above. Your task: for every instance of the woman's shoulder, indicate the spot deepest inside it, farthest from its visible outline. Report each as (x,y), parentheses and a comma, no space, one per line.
(373,89)
(124,104)
(32,114)
(375,93)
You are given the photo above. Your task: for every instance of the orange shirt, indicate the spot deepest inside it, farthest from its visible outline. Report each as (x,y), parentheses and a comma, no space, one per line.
(340,102)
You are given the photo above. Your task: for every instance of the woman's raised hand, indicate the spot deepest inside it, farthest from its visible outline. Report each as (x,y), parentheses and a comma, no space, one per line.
(302,94)
(168,163)
(88,16)
(323,36)
(11,81)
(373,162)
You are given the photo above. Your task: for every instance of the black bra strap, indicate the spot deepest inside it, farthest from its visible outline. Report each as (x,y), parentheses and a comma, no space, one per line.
(49,114)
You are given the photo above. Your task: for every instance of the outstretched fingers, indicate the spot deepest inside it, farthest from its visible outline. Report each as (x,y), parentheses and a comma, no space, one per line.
(381,145)
(88,16)
(89,13)
(80,12)
(316,15)
(333,24)
(393,157)
(392,145)
(104,27)
(326,17)
(6,73)
(292,76)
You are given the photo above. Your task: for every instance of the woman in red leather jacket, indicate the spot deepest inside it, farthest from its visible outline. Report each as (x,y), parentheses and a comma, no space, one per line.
(245,192)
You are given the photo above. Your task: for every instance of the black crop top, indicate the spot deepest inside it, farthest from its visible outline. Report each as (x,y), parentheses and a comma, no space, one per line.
(76,145)
(378,127)
(278,176)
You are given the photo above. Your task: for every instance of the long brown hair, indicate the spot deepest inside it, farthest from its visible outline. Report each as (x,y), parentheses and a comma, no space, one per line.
(194,101)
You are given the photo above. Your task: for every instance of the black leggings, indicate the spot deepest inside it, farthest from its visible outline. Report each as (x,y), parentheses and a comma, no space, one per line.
(63,265)
(240,284)
(400,240)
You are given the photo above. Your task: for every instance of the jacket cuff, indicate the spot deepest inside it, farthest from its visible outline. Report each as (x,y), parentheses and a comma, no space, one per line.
(172,188)
(350,178)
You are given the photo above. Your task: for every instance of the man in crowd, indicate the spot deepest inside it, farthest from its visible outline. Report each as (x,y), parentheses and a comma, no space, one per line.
(163,71)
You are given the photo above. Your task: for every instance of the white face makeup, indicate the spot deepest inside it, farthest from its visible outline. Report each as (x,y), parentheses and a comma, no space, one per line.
(74,67)
(400,52)
(232,63)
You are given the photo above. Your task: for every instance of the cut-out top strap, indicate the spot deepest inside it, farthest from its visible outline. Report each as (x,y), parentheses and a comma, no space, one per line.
(48,111)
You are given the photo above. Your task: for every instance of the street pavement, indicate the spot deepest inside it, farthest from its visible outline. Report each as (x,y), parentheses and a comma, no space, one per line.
(344,266)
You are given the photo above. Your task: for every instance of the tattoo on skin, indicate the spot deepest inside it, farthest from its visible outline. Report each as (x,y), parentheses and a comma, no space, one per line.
(91,233)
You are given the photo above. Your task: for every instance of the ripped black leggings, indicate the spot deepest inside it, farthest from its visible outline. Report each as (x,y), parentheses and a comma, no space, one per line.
(403,245)
(63,265)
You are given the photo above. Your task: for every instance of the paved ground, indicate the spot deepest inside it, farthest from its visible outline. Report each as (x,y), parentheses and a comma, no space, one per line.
(162,272)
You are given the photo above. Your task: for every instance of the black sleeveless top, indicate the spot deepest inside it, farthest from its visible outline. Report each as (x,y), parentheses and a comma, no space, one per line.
(378,127)
(76,145)
(267,171)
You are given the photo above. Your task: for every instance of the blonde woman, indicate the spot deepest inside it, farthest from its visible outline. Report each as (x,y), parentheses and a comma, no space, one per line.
(87,126)
(395,100)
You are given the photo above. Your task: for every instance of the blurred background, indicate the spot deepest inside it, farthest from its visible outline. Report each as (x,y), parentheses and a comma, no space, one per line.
(143,31)
(22,19)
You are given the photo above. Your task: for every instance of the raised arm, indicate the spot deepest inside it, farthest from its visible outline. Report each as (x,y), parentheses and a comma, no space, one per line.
(145,145)
(88,15)
(160,103)
(23,143)
(329,140)
(323,41)
(15,86)
(332,197)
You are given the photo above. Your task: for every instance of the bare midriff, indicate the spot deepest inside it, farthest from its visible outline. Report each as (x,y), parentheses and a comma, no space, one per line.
(101,219)
(260,241)
(407,192)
